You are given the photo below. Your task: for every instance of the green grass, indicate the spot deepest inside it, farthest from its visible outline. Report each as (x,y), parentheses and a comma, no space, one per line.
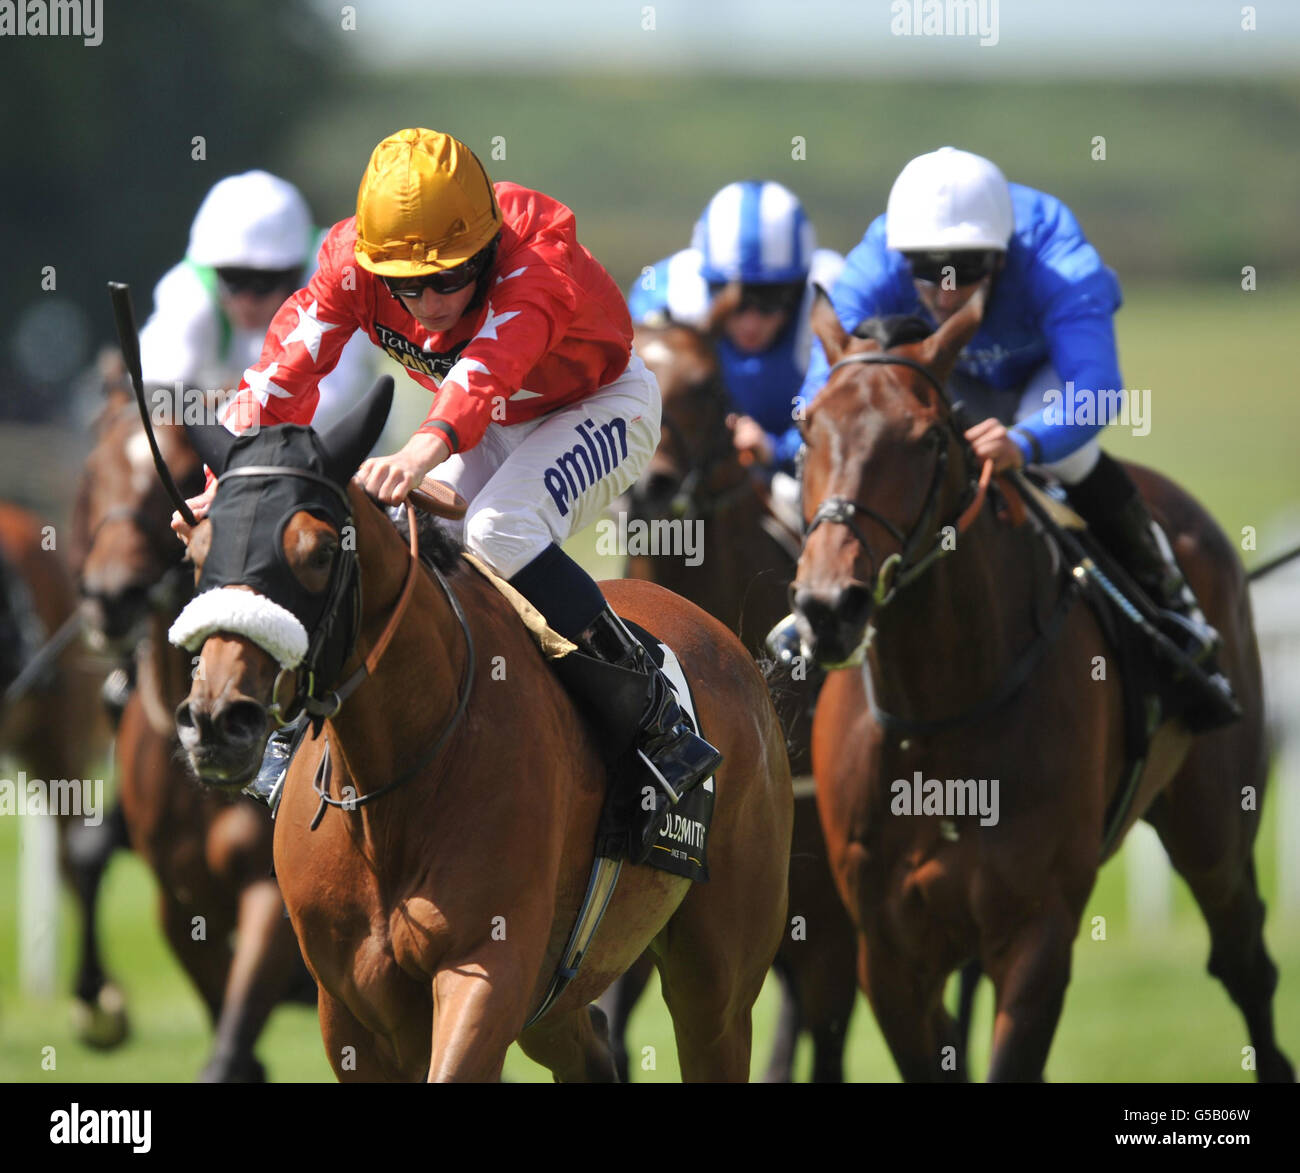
(1140,1006)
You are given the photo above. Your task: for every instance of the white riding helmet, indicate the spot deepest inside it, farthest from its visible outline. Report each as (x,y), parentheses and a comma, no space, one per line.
(949,200)
(252,221)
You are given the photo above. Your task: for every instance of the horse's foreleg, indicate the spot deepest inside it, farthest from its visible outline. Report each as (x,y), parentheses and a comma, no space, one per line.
(199,942)
(617,1003)
(266,964)
(1030,974)
(352,1049)
(480,1004)
(780,1065)
(919,1032)
(85,852)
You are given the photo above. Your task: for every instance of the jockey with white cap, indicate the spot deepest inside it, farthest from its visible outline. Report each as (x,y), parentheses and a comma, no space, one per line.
(251,245)
(953,224)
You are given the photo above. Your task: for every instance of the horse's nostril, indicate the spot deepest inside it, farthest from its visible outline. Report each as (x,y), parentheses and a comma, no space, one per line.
(854,605)
(184,716)
(243,721)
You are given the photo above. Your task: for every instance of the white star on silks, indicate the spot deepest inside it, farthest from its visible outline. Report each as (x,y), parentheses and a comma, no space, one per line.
(489,327)
(509,275)
(260,384)
(309,330)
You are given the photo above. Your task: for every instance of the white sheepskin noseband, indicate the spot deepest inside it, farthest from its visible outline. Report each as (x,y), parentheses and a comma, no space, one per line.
(237,612)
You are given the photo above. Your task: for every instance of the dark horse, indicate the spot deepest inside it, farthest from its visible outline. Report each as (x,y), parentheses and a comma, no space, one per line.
(220,908)
(433,917)
(51,728)
(697,478)
(946,626)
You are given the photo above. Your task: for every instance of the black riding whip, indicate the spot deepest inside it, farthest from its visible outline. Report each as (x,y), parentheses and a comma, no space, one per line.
(124,316)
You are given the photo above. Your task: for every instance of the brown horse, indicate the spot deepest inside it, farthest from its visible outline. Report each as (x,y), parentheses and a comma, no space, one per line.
(433,917)
(947,630)
(219,905)
(698,478)
(53,731)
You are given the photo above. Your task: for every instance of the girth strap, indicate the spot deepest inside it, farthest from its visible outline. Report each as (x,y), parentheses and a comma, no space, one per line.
(600,887)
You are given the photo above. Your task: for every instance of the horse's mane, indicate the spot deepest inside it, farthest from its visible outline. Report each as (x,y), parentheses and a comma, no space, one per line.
(437,546)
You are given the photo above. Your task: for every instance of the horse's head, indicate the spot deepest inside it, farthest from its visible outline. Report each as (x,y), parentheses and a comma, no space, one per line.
(277,607)
(694,434)
(123,548)
(878,482)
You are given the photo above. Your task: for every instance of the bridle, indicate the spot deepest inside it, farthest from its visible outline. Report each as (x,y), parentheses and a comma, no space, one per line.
(344,589)
(912,560)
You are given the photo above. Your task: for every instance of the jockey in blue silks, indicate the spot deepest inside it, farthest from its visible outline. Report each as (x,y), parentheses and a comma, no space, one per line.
(755,236)
(1041,372)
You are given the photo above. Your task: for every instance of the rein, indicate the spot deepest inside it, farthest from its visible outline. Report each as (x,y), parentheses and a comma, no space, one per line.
(902,568)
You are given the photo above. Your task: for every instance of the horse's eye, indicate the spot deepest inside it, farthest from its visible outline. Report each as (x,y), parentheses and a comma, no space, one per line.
(323,555)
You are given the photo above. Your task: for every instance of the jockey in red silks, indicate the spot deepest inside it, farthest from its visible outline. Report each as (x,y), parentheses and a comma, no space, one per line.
(542,414)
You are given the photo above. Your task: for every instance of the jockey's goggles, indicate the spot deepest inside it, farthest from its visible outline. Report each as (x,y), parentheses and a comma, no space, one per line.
(444,282)
(959,267)
(765,299)
(258,282)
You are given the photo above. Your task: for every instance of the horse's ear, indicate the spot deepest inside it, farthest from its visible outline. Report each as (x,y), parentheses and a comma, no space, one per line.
(213,444)
(826,325)
(348,441)
(941,349)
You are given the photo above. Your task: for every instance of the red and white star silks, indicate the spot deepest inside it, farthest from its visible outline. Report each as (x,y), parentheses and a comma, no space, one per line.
(553,329)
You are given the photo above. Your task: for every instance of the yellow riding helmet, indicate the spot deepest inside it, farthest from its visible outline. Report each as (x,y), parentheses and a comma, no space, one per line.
(425,204)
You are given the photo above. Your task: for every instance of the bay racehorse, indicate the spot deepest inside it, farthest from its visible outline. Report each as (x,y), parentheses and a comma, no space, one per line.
(433,917)
(741,574)
(52,730)
(906,558)
(219,905)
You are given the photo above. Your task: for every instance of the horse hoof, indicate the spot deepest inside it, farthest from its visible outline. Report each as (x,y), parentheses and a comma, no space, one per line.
(101,1024)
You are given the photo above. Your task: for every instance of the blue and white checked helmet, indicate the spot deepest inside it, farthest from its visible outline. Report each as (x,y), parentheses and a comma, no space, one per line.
(755,232)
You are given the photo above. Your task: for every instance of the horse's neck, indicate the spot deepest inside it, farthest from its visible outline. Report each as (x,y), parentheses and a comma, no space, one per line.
(949,636)
(396,713)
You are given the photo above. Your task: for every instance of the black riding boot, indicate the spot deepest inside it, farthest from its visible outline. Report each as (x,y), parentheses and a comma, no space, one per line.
(636,707)
(631,700)
(1109,502)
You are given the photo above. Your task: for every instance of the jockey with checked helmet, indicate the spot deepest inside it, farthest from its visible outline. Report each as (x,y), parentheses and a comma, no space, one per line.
(751,268)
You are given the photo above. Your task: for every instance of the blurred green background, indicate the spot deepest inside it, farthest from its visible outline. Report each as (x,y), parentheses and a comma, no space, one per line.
(1201,177)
